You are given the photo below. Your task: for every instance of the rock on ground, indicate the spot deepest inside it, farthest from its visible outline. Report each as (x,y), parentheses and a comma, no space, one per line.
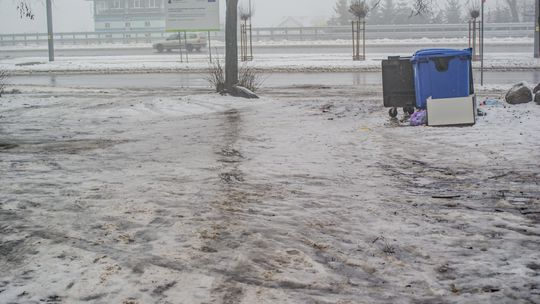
(519,93)
(239,91)
(537,98)
(536,89)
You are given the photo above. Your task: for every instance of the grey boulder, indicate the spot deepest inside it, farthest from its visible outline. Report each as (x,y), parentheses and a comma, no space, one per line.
(537,98)
(536,89)
(519,93)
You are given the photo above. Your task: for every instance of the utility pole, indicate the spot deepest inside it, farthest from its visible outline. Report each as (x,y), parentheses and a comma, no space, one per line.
(482,46)
(250,31)
(537,31)
(50,31)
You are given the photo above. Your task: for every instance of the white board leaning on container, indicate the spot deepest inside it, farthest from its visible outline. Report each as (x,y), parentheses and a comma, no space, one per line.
(457,111)
(192,15)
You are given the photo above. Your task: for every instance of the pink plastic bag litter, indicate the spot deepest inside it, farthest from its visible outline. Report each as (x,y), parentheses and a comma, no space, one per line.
(419,118)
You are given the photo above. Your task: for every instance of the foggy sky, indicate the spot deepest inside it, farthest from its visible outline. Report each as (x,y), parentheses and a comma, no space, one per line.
(77,15)
(68,16)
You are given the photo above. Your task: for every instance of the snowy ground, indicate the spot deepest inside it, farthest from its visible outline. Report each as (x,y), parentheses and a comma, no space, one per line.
(428,42)
(309,195)
(262,63)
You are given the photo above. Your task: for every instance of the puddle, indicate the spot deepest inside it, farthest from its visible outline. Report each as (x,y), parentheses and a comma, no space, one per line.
(7,146)
(62,147)
(29,63)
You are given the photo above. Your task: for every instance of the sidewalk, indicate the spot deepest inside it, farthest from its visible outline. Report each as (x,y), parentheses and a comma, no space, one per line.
(129,196)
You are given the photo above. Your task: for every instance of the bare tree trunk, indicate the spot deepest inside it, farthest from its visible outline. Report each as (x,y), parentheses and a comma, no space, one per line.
(512,5)
(231,44)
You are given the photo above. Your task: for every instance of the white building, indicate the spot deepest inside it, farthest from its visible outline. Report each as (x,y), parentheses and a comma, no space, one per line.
(127,15)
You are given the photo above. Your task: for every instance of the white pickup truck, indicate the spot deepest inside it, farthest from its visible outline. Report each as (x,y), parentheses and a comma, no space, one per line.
(176,41)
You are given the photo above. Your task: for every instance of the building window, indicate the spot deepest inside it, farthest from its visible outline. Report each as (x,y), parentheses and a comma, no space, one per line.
(101,6)
(117,4)
(107,25)
(136,3)
(153,3)
(157,3)
(147,23)
(128,24)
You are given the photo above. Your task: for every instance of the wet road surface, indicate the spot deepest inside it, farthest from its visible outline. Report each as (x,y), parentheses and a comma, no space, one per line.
(195,80)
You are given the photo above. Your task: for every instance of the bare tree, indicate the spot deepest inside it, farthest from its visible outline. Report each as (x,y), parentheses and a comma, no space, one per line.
(388,11)
(453,12)
(513,6)
(422,6)
(246,40)
(342,11)
(24,9)
(245,13)
(359,9)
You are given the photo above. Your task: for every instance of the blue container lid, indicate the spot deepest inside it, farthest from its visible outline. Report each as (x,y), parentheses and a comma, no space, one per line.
(439,53)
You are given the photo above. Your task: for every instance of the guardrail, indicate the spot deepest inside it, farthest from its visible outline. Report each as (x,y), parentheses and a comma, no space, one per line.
(394,31)
(516,30)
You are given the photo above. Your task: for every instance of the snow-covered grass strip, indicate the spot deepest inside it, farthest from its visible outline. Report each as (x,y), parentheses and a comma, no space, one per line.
(167,63)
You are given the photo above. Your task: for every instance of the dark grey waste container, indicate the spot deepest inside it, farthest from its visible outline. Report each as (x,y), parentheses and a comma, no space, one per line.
(398,84)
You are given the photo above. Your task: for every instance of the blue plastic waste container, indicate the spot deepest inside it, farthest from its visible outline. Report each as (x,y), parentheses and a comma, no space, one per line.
(441,73)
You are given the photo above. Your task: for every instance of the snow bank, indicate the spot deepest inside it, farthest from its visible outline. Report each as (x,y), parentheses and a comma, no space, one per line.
(263,63)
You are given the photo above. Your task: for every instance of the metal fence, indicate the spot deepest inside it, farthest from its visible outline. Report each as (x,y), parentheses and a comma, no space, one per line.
(415,31)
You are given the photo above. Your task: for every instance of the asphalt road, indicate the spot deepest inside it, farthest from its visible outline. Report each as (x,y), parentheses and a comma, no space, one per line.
(328,49)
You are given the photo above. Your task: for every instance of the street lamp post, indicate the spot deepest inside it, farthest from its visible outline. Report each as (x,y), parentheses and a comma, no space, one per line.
(537,31)
(250,30)
(50,31)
